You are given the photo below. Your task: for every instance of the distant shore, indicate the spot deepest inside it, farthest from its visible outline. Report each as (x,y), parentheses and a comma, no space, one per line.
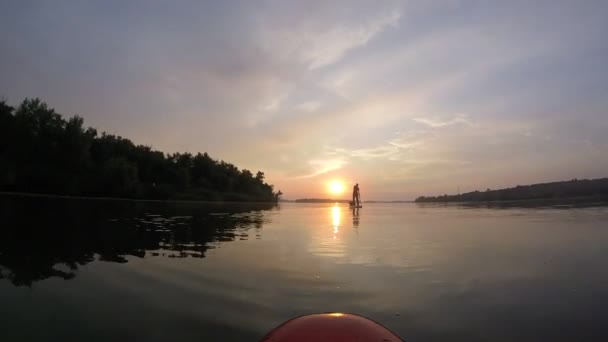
(584,190)
(320,200)
(327,200)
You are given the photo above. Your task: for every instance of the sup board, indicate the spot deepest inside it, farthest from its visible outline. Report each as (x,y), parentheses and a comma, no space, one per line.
(331,327)
(358,206)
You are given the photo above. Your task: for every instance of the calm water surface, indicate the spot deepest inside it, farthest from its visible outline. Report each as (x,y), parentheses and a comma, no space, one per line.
(94,270)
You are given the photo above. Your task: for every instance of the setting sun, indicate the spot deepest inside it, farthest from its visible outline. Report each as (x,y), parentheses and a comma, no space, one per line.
(336,187)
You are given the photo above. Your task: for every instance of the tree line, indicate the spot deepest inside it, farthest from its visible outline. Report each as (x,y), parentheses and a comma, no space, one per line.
(584,188)
(43,152)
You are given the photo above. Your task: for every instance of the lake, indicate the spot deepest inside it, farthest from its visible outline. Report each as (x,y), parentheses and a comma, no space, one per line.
(101,270)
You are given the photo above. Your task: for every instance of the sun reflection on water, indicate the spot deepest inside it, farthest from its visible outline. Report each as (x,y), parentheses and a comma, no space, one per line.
(329,239)
(335,215)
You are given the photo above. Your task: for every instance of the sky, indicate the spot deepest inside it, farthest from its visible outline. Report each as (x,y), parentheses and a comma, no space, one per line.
(406,98)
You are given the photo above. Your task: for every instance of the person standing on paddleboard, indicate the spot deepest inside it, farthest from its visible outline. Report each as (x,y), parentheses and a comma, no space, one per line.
(356,195)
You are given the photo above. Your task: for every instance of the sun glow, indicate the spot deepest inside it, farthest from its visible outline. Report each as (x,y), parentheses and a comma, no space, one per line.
(336,187)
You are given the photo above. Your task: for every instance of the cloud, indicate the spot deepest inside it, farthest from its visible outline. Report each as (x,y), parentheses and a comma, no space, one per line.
(320,44)
(322,166)
(437,123)
(273,105)
(384,151)
(328,47)
(411,139)
(340,83)
(390,150)
(309,106)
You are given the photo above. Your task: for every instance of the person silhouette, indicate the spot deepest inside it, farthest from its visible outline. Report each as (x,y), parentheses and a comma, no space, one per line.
(356,196)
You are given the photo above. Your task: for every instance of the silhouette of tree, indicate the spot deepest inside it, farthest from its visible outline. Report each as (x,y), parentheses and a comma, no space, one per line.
(41,152)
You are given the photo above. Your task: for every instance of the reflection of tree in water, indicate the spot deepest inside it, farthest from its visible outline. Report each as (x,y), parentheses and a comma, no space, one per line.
(49,237)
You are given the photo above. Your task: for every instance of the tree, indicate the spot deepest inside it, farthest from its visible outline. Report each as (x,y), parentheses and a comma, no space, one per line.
(259,176)
(42,152)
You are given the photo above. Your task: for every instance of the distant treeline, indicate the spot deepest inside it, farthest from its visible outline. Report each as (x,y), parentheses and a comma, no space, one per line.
(397,201)
(320,200)
(328,200)
(585,188)
(41,152)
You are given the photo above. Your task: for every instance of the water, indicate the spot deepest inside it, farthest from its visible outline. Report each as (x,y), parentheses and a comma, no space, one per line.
(121,271)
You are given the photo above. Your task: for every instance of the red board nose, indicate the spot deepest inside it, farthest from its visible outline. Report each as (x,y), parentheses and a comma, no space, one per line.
(331,327)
